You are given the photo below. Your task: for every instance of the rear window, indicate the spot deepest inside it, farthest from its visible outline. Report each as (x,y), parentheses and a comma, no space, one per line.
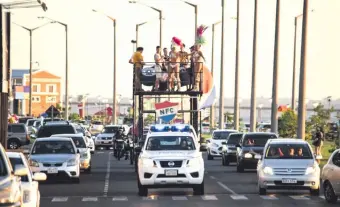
(18,129)
(257,140)
(47,131)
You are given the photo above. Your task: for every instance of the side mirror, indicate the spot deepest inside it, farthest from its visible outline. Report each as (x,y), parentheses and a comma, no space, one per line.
(138,149)
(20,170)
(78,151)
(258,157)
(38,176)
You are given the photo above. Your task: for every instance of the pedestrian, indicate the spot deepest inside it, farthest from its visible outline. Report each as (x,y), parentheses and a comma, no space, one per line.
(318,141)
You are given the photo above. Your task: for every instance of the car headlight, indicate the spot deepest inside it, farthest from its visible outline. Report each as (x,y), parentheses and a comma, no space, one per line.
(311,170)
(84,156)
(248,155)
(34,163)
(71,162)
(196,162)
(268,170)
(215,145)
(146,162)
(27,196)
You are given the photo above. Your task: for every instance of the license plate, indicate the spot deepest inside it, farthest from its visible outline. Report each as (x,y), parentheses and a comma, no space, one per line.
(289,181)
(170,172)
(52,170)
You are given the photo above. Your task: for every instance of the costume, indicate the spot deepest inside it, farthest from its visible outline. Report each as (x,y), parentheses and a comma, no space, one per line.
(174,66)
(198,57)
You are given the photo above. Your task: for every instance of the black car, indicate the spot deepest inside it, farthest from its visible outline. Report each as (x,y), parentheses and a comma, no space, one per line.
(229,155)
(49,130)
(250,144)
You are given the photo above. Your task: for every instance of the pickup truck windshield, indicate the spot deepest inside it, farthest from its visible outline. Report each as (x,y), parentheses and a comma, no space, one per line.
(170,143)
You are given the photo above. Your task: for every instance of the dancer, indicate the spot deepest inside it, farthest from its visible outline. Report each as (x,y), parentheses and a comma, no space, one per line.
(198,56)
(174,78)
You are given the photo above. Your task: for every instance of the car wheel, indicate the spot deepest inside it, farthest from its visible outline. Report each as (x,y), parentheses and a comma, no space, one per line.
(199,189)
(76,180)
(239,168)
(329,193)
(13,144)
(209,156)
(262,191)
(226,161)
(142,190)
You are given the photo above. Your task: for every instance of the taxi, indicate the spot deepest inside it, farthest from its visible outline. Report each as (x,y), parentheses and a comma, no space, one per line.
(170,158)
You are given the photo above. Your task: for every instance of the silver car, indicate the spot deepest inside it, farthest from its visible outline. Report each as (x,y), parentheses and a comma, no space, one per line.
(331,177)
(105,139)
(288,164)
(59,158)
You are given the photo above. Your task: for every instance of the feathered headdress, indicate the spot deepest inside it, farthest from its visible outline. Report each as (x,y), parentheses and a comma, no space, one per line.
(176,42)
(200,40)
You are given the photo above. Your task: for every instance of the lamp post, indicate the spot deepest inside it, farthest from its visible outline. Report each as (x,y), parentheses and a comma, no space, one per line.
(31,61)
(302,82)
(260,112)
(196,16)
(274,121)
(114,22)
(160,19)
(66,62)
(237,76)
(253,84)
(221,104)
(137,30)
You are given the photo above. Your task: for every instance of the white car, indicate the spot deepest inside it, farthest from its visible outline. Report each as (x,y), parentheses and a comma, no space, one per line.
(85,153)
(29,184)
(214,146)
(170,160)
(57,157)
(288,164)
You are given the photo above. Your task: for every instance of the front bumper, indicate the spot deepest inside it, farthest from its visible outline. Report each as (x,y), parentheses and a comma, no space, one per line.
(100,143)
(62,172)
(311,181)
(215,151)
(155,177)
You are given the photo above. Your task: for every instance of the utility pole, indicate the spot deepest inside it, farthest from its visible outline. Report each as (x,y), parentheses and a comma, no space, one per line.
(160,30)
(221,105)
(31,73)
(294,66)
(302,84)
(237,76)
(114,114)
(274,121)
(253,84)
(66,74)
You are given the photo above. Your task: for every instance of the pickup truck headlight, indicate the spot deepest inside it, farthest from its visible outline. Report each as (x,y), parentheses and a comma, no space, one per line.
(268,170)
(310,170)
(195,162)
(34,163)
(215,145)
(71,162)
(27,196)
(248,155)
(146,162)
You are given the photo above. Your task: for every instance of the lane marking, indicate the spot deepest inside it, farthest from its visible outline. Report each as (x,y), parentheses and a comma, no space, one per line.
(209,198)
(300,197)
(238,197)
(323,197)
(100,153)
(179,198)
(107,176)
(269,197)
(90,199)
(120,198)
(59,199)
(226,188)
(212,177)
(150,198)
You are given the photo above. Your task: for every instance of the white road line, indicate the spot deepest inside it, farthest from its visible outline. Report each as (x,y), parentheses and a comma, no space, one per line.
(323,197)
(59,199)
(226,188)
(212,177)
(209,198)
(150,198)
(299,197)
(90,199)
(269,197)
(120,198)
(179,198)
(238,197)
(100,153)
(107,177)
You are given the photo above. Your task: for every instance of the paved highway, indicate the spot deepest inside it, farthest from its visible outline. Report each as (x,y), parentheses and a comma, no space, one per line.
(114,182)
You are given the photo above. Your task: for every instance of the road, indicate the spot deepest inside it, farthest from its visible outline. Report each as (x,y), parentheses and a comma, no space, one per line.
(114,182)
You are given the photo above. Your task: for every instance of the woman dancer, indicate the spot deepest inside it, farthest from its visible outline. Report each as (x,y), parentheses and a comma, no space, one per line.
(198,57)
(174,78)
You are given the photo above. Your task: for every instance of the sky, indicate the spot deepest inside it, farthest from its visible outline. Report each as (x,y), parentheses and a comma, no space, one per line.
(91,42)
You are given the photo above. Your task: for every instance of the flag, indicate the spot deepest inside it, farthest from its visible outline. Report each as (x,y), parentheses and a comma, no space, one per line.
(209,90)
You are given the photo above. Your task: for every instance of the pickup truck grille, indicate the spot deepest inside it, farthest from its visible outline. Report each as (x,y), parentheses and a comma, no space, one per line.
(165,164)
(289,171)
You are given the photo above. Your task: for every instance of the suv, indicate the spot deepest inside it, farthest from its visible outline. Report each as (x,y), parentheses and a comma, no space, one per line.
(251,144)
(17,136)
(50,129)
(288,164)
(10,188)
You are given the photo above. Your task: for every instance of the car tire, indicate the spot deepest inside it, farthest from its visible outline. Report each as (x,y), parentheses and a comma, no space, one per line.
(329,193)
(76,180)
(199,189)
(262,191)
(142,190)
(13,144)
(209,156)
(226,161)
(239,168)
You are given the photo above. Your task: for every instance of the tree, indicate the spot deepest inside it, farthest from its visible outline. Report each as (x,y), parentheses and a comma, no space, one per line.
(150,119)
(228,117)
(74,116)
(288,124)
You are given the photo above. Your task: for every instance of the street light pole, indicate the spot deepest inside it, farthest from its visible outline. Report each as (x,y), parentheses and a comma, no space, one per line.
(294,64)
(237,76)
(274,108)
(221,105)
(253,84)
(196,17)
(302,84)
(137,30)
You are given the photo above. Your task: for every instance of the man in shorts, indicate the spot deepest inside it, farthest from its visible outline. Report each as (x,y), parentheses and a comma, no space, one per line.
(138,61)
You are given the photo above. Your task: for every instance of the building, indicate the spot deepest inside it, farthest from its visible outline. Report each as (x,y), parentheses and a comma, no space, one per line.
(46,90)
